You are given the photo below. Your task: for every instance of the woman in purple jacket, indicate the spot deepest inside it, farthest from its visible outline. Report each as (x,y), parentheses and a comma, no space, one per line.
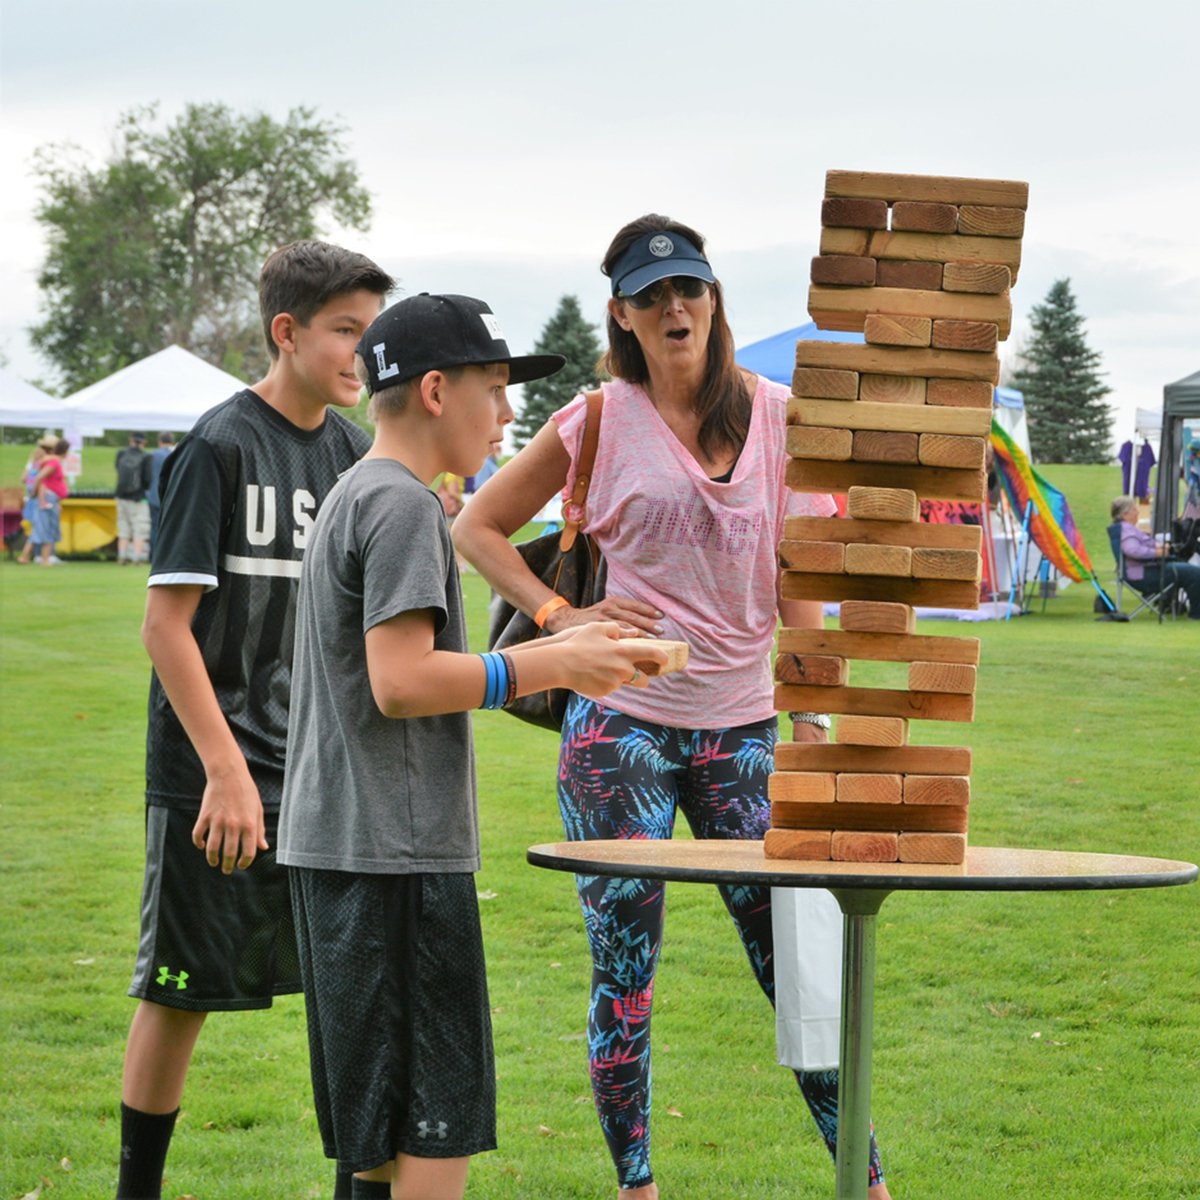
(1144,557)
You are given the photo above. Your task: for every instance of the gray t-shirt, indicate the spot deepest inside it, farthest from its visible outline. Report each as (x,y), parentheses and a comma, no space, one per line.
(363,792)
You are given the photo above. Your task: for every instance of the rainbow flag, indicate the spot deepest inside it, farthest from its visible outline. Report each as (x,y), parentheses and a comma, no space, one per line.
(1051,525)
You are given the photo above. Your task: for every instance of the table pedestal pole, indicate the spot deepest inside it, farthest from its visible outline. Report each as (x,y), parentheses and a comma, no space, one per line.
(859,910)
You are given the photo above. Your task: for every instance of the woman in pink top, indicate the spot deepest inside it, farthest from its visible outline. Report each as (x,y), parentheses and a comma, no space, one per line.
(687,502)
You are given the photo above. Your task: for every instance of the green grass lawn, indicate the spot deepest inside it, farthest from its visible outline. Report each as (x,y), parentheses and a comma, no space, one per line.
(1027,1046)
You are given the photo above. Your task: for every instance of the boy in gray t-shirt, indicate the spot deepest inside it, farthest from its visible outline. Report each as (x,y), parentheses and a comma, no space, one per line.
(379,822)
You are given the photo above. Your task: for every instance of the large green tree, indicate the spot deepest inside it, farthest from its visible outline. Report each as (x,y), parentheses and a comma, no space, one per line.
(162,243)
(568,334)
(1060,377)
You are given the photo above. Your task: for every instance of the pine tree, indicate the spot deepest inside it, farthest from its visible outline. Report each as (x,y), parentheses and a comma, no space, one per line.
(568,334)
(1060,378)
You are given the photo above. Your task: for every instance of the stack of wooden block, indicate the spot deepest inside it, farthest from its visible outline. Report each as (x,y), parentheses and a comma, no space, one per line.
(922,266)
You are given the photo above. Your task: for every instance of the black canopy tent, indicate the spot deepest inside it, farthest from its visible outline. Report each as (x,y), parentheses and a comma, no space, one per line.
(1181,402)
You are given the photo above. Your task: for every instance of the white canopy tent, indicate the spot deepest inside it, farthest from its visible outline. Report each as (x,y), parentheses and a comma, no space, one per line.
(26,407)
(167,390)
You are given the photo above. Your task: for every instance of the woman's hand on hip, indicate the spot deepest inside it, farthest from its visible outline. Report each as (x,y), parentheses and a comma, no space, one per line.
(636,614)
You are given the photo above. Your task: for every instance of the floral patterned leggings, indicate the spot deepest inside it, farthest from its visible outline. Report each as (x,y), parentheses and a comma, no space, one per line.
(620,777)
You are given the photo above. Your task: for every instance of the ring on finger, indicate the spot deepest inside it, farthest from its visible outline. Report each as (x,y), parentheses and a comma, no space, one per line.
(635,676)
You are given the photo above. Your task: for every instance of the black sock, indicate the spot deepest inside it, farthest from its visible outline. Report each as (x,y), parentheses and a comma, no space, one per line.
(145,1139)
(371,1189)
(342,1186)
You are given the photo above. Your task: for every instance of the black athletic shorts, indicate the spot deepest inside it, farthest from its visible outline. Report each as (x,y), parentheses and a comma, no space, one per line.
(212,942)
(399,1027)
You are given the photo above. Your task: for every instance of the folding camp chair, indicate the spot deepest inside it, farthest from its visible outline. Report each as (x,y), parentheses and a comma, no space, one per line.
(1160,602)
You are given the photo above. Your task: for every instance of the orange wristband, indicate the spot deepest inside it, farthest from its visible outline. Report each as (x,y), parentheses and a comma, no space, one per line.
(539,617)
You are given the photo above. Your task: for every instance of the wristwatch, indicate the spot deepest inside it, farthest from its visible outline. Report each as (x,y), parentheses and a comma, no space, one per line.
(804,718)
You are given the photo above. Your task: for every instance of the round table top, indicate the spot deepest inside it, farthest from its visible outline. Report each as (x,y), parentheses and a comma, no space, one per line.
(987,868)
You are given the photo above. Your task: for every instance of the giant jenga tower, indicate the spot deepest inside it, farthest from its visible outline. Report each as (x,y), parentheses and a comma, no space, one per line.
(922,266)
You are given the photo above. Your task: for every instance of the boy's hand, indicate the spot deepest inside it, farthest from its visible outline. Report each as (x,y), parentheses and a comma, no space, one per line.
(230,828)
(600,661)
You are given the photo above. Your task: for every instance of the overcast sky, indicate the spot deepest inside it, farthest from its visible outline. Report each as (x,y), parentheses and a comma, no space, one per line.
(504,143)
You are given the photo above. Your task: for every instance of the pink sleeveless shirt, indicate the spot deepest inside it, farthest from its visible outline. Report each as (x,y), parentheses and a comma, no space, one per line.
(704,553)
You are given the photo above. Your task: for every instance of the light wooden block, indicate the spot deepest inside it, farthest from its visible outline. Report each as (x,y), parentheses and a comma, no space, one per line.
(886,818)
(825,384)
(872,616)
(843,270)
(882,504)
(897,360)
(807,845)
(985,279)
(879,647)
(836,756)
(942,848)
(956,678)
(874,847)
(959,393)
(890,418)
(854,213)
(857,788)
(923,247)
(931,593)
(898,273)
(991,221)
(829,445)
(872,445)
(936,563)
(891,389)
(937,789)
(884,533)
(862,559)
(677,655)
(829,558)
(965,335)
(924,216)
(876,702)
(820,670)
(871,731)
(950,450)
(936,483)
(942,189)
(882,330)
(813,787)
(846,308)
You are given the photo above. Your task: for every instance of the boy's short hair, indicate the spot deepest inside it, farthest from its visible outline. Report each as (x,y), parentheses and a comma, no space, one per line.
(392,401)
(301,277)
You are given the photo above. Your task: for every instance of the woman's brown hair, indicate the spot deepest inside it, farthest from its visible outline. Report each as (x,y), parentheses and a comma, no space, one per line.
(724,401)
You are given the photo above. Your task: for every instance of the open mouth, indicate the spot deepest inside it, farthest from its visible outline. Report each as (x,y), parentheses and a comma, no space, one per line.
(678,335)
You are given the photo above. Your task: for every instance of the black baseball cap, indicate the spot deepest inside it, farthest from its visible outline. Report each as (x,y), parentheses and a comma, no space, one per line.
(658,255)
(429,333)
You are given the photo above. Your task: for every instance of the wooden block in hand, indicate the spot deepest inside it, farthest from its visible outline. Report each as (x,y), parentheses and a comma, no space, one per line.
(882,504)
(986,279)
(854,214)
(891,389)
(809,845)
(843,270)
(877,847)
(933,562)
(897,273)
(873,445)
(871,731)
(937,789)
(923,216)
(990,220)
(824,383)
(950,450)
(884,330)
(945,848)
(876,616)
(952,678)
(865,559)
(825,557)
(820,670)
(965,335)
(959,393)
(677,655)
(830,445)
(863,788)
(813,787)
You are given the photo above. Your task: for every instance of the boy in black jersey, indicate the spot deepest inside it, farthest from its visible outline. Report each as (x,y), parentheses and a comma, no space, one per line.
(239,497)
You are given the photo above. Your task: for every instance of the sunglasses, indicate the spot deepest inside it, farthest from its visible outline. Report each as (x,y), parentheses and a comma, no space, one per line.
(686,287)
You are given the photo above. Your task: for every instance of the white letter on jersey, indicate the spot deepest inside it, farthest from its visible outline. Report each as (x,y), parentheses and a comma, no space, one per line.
(303,503)
(260,533)
(383,368)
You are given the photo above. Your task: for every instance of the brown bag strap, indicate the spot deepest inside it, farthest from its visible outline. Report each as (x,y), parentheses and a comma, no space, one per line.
(583,473)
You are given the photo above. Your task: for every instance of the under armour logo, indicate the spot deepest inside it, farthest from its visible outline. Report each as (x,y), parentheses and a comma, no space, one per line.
(179,980)
(423,1130)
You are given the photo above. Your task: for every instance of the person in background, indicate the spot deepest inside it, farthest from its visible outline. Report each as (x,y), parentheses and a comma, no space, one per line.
(158,456)
(29,476)
(1146,559)
(50,489)
(133,513)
